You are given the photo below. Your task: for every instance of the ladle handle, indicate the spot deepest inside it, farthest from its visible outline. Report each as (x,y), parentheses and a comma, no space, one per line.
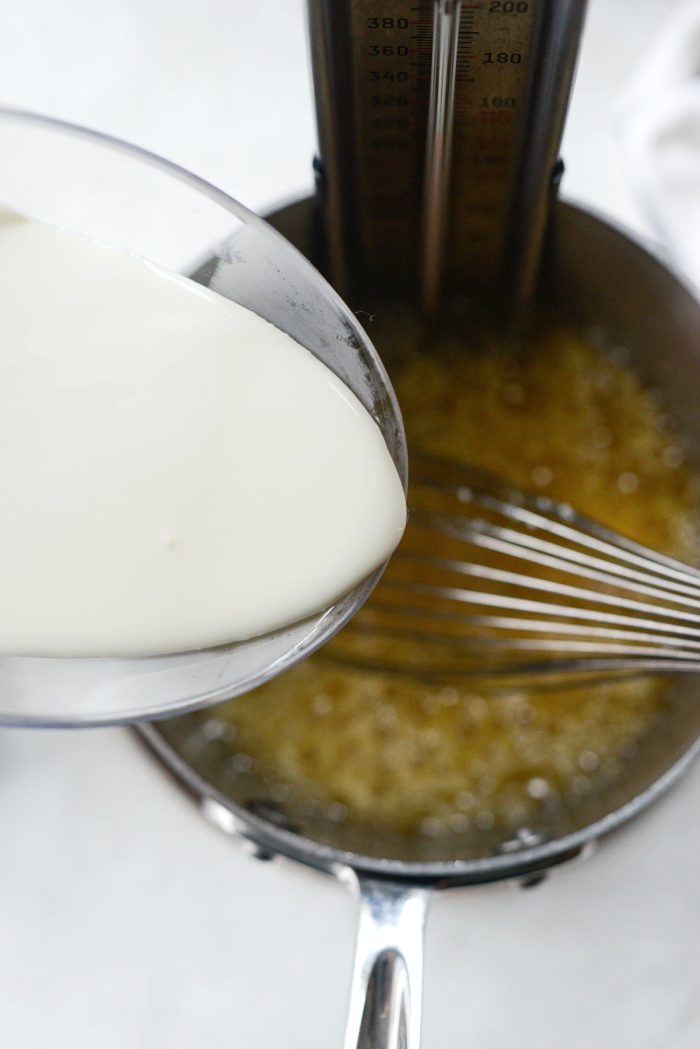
(385,1001)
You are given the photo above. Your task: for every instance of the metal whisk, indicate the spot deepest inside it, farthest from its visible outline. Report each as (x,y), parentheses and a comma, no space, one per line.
(493,582)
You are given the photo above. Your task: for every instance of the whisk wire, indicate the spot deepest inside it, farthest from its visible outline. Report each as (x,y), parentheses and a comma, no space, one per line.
(530,548)
(585,533)
(553,593)
(532,583)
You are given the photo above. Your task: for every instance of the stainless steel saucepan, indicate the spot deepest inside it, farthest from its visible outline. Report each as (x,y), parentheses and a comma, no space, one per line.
(596,275)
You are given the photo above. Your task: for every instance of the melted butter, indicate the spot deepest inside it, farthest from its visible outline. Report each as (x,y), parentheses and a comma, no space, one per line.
(175,472)
(404,755)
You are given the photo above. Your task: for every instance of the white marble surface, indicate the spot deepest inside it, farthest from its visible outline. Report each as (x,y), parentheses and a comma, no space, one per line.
(124,920)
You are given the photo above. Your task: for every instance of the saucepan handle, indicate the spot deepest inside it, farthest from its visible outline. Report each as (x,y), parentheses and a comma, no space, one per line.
(385,1002)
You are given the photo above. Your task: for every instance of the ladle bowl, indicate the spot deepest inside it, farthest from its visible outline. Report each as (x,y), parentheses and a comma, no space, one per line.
(595,275)
(124,196)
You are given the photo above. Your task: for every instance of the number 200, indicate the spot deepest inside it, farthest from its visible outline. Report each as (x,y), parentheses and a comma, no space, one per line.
(508,7)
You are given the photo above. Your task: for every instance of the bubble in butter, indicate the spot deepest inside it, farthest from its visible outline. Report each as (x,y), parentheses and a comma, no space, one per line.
(175,472)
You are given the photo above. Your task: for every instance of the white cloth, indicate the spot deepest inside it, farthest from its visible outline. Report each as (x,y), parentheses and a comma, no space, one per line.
(658,124)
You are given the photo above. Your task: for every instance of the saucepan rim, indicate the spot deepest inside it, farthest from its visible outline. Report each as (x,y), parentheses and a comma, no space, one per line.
(235,819)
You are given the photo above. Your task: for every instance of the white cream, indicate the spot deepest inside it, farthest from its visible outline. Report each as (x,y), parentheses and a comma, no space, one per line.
(175,472)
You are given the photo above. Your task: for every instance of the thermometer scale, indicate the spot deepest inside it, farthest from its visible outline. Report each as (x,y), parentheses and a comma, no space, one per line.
(439,125)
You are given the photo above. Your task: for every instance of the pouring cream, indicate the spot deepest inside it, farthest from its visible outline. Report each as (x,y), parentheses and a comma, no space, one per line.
(175,472)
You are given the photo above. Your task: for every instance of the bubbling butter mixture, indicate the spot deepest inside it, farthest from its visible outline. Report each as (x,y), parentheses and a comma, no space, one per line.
(175,472)
(394,753)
